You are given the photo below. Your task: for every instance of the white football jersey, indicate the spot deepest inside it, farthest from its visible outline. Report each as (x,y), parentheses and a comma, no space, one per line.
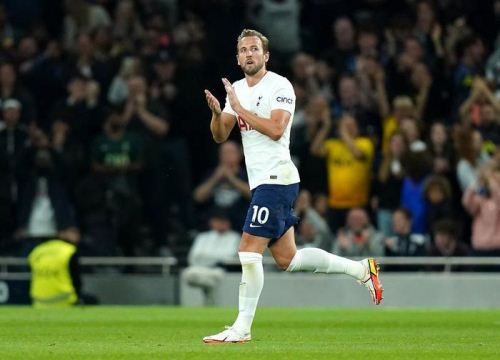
(267,161)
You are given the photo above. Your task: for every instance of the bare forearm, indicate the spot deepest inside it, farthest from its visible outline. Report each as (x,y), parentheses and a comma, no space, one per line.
(240,185)
(153,123)
(203,191)
(220,132)
(317,144)
(349,141)
(469,201)
(268,127)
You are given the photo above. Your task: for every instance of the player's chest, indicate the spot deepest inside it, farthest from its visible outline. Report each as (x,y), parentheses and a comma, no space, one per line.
(256,101)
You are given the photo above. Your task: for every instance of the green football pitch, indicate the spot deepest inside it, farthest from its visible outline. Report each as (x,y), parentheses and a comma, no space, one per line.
(175,333)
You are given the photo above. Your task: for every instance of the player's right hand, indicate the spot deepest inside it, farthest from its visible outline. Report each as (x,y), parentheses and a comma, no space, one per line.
(213,103)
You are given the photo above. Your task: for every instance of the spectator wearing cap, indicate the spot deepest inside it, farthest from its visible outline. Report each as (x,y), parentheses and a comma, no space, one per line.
(10,88)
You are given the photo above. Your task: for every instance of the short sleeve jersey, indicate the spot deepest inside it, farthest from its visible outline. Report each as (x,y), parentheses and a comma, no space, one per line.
(267,161)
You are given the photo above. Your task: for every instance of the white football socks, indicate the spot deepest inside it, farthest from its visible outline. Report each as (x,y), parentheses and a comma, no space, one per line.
(252,281)
(320,261)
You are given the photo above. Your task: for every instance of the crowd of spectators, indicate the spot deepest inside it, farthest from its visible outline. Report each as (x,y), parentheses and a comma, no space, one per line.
(104,127)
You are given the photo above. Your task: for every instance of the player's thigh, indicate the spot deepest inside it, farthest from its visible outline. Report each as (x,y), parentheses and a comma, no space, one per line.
(284,249)
(270,213)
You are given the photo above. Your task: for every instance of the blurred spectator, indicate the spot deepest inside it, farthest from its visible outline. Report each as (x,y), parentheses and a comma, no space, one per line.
(227,185)
(404,242)
(417,165)
(441,149)
(410,128)
(470,53)
(280,21)
(471,109)
(55,273)
(146,118)
(320,204)
(349,161)
(341,54)
(358,237)
(82,16)
(74,122)
(446,240)
(8,34)
(44,206)
(489,127)
(402,108)
(351,102)
(482,200)
(13,142)
(470,156)
(85,61)
(209,252)
(47,80)
(303,73)
(117,157)
(311,167)
(493,71)
(313,230)
(118,90)
(127,28)
(388,183)
(437,190)
(427,28)
(410,76)
(10,88)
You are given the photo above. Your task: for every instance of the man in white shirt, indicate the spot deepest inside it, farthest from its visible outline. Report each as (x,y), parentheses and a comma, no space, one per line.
(263,104)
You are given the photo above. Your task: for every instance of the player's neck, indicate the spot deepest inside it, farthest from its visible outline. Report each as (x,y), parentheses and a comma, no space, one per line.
(253,80)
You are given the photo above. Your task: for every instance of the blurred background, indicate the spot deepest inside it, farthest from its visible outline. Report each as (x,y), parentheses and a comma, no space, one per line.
(105,140)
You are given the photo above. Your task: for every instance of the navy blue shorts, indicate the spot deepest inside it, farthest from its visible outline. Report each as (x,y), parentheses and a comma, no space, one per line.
(270,213)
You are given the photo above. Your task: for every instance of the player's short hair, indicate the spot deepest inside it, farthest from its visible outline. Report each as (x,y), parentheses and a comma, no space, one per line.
(251,32)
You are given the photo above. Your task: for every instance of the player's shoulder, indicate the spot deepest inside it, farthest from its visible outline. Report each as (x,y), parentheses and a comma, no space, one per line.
(278,80)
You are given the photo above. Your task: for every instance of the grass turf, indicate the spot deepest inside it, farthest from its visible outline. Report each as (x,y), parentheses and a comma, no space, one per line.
(175,333)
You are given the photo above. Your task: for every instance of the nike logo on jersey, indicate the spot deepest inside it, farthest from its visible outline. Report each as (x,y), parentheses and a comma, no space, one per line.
(255,226)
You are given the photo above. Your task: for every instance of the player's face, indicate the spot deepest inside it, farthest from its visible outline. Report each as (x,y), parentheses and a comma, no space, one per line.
(251,57)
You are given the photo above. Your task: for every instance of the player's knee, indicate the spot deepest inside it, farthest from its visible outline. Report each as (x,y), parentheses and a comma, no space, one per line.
(283,263)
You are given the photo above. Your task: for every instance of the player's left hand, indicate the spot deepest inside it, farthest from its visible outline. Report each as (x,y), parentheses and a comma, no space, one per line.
(231,95)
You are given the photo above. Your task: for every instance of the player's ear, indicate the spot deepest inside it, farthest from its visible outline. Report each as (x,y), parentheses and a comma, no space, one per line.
(237,59)
(266,56)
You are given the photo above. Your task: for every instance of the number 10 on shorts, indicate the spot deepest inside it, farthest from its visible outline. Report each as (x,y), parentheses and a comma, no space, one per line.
(260,214)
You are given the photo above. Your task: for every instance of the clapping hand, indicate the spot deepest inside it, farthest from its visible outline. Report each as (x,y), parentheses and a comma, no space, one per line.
(231,95)
(213,103)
